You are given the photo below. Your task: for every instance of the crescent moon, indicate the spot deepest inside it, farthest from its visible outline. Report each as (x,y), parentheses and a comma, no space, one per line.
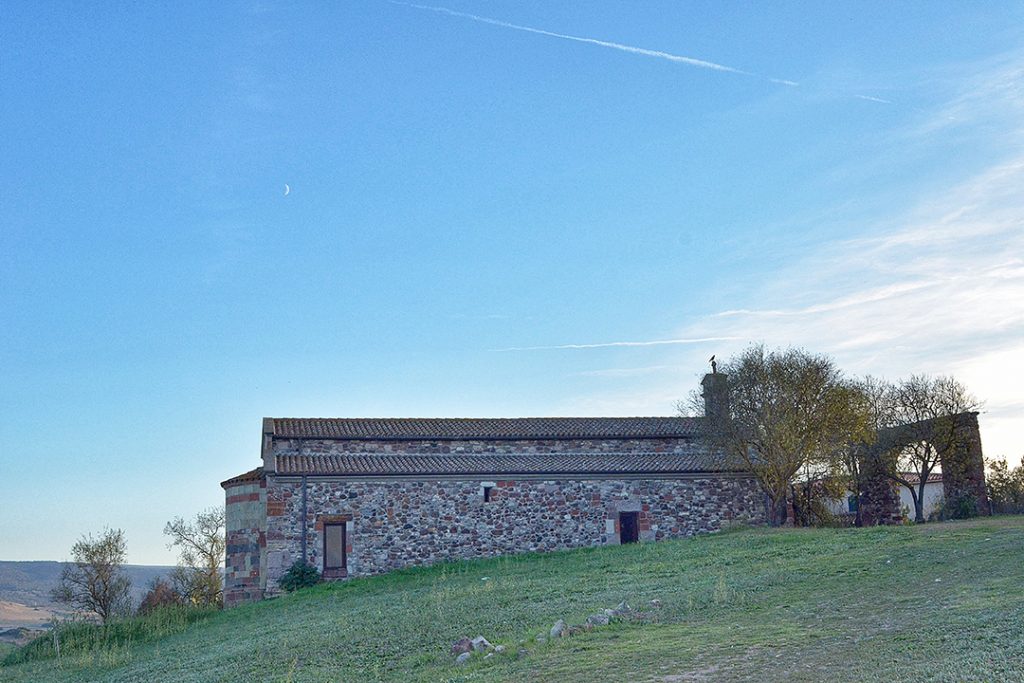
(287,189)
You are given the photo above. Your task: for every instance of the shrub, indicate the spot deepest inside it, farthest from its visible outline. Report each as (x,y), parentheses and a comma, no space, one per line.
(961,507)
(299,575)
(160,594)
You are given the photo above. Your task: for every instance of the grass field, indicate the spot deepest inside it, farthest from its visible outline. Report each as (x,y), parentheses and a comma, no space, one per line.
(937,602)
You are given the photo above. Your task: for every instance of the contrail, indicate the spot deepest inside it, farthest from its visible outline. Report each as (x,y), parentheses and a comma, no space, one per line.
(605,345)
(679,59)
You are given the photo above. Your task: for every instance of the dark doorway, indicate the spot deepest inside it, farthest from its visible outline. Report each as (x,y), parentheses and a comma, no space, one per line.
(629,528)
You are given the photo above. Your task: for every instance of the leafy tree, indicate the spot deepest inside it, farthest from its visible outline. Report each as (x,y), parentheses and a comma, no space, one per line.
(1006,487)
(200,545)
(925,409)
(94,581)
(790,413)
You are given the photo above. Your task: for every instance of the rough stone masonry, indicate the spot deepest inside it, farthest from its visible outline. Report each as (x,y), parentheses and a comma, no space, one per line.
(355,497)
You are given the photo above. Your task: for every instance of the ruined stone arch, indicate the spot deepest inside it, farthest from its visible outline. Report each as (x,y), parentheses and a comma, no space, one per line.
(957,440)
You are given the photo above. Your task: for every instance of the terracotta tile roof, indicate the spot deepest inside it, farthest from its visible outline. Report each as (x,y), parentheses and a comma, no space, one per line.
(487,428)
(247,478)
(524,463)
(915,478)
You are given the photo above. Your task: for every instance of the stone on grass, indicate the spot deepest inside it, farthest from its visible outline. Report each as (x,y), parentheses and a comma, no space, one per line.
(463,658)
(481,643)
(462,645)
(499,649)
(623,608)
(599,619)
(558,629)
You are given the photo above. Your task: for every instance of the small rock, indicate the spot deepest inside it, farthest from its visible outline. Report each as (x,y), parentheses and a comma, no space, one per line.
(462,645)
(542,638)
(656,603)
(938,580)
(488,655)
(623,608)
(499,649)
(600,619)
(481,643)
(463,658)
(558,629)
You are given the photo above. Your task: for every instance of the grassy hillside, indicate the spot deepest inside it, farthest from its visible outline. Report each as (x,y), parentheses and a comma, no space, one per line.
(940,602)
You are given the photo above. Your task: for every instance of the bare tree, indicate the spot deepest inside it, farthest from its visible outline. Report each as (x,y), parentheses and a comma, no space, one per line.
(789,411)
(94,581)
(924,409)
(200,545)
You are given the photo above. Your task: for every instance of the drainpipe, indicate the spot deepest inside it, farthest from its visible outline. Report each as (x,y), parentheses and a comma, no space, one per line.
(304,561)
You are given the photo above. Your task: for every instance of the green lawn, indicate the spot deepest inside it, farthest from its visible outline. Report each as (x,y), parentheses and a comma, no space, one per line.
(938,602)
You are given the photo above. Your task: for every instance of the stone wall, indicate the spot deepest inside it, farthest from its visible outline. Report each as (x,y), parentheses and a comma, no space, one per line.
(245,514)
(963,469)
(398,523)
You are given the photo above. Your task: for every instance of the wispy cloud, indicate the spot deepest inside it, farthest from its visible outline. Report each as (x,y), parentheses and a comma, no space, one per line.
(608,345)
(869,98)
(657,54)
(937,287)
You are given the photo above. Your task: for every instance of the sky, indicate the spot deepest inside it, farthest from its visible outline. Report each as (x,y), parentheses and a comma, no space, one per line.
(216,212)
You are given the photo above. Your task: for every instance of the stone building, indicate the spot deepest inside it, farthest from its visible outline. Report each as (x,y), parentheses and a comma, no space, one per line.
(356,497)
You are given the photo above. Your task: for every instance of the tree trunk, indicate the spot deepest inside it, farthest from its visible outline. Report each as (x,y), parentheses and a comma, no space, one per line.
(779,513)
(920,497)
(918,507)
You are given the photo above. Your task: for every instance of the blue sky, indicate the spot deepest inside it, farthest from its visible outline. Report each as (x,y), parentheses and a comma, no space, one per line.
(470,193)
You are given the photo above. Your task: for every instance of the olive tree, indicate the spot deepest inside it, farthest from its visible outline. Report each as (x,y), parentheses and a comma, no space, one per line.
(94,580)
(200,544)
(789,412)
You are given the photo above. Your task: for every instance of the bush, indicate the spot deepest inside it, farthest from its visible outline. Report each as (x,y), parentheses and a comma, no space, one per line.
(962,507)
(299,575)
(160,594)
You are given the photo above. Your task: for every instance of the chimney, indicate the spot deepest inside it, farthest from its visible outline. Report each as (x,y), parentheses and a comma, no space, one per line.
(267,446)
(716,395)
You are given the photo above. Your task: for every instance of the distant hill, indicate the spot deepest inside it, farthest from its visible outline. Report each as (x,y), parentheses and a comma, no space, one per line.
(30,583)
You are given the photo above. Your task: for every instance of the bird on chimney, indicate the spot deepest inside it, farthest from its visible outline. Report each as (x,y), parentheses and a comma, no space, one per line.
(714,365)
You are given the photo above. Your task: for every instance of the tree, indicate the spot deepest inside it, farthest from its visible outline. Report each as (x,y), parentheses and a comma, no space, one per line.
(94,581)
(1006,487)
(789,412)
(200,547)
(924,409)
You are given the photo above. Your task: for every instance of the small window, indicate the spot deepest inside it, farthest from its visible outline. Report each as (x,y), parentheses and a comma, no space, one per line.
(334,547)
(487,494)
